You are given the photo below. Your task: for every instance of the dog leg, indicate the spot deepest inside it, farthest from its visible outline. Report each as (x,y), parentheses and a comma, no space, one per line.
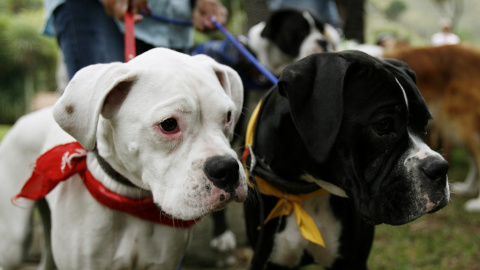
(18,150)
(16,239)
(470,186)
(473,205)
(46,261)
(224,239)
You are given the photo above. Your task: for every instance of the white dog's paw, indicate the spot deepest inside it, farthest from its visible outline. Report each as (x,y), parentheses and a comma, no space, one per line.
(224,242)
(464,189)
(473,205)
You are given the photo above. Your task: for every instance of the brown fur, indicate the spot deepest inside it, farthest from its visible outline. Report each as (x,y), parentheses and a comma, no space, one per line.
(449,79)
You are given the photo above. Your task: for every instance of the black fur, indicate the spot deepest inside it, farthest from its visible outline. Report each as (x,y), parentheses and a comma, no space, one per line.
(342,118)
(287,29)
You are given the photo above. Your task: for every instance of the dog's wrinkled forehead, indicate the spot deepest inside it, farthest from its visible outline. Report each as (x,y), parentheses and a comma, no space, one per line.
(395,74)
(314,87)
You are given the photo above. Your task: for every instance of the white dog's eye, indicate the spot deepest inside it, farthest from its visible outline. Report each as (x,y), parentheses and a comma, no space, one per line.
(169,126)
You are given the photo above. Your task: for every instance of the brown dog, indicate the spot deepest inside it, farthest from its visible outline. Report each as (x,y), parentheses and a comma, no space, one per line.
(449,79)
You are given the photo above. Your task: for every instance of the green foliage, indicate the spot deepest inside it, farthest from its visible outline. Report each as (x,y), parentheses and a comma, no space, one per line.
(28,61)
(444,240)
(3,130)
(395,9)
(18,6)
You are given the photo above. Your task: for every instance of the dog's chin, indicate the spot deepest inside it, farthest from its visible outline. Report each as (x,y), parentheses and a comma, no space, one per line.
(402,211)
(393,218)
(184,214)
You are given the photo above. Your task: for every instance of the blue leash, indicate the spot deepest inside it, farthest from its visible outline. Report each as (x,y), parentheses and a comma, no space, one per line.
(244,51)
(227,34)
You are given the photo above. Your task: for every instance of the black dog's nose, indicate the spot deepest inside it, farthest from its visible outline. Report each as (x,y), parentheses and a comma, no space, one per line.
(223,171)
(435,168)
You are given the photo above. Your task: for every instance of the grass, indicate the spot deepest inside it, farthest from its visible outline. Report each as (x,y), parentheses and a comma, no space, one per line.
(448,239)
(3,130)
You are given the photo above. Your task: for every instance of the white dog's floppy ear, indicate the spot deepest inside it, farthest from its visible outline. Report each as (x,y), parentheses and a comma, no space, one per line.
(230,81)
(78,109)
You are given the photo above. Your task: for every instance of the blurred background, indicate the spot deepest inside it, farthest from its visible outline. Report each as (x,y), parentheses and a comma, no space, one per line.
(29,59)
(449,239)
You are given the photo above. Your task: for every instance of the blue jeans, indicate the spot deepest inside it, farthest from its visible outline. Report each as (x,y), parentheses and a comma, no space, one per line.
(87,35)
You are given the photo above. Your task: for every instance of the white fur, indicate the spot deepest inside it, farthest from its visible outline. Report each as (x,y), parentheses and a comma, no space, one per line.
(97,110)
(373,50)
(289,244)
(473,205)
(331,188)
(267,53)
(224,242)
(310,46)
(403,92)
(469,188)
(419,152)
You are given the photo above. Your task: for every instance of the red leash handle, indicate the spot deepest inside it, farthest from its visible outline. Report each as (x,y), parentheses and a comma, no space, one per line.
(129,38)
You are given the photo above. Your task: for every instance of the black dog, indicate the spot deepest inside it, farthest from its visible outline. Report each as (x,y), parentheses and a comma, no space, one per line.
(354,126)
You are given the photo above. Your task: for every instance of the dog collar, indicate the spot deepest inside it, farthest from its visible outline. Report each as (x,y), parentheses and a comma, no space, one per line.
(287,203)
(63,161)
(111,171)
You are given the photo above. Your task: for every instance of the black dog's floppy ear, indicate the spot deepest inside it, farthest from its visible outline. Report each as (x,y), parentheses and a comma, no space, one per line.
(314,88)
(283,29)
(273,24)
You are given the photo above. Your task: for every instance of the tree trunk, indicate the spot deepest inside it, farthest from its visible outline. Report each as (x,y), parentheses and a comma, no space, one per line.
(352,15)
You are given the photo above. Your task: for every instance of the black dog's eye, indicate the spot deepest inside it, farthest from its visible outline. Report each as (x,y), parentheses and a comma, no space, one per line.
(169,125)
(384,126)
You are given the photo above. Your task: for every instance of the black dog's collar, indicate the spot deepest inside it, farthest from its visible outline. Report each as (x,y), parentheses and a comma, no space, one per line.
(256,166)
(288,202)
(111,171)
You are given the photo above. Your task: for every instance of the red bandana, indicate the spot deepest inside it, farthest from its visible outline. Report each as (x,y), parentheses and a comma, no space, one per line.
(63,161)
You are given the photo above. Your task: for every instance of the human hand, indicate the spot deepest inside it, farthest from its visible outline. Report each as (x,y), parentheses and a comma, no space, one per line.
(204,9)
(118,8)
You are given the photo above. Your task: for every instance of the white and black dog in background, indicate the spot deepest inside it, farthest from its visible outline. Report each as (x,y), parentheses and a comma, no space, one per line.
(350,124)
(289,35)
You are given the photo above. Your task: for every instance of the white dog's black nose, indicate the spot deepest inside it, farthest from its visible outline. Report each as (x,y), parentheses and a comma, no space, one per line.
(435,168)
(223,171)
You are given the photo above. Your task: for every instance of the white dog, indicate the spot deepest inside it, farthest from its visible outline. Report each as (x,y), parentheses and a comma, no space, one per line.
(163,121)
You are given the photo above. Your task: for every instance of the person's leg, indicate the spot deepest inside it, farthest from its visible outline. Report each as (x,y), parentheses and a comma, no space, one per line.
(87,35)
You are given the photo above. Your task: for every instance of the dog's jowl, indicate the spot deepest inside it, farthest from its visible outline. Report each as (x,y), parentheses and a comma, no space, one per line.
(334,149)
(144,154)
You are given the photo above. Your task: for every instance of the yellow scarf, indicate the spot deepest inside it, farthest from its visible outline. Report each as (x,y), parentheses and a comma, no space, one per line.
(287,202)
